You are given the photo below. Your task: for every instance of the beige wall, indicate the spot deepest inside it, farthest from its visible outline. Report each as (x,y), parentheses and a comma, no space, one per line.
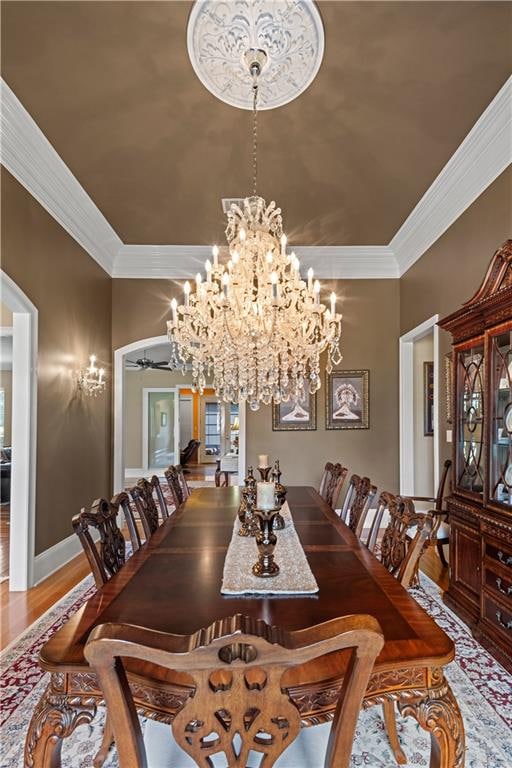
(370,332)
(73,297)
(423,351)
(450,272)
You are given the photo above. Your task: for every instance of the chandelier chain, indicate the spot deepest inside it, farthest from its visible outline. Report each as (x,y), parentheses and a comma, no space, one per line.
(255,139)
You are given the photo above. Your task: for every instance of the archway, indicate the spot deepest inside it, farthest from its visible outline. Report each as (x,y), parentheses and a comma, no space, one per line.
(24,434)
(119,447)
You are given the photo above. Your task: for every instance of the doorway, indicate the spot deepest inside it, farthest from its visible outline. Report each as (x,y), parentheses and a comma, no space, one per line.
(160,428)
(22,491)
(128,413)
(419,404)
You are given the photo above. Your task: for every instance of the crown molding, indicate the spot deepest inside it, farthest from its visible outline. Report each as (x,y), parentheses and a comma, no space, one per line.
(483,155)
(180,261)
(30,158)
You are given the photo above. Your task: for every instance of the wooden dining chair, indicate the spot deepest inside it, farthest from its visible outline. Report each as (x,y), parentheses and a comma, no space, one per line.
(172,475)
(183,480)
(239,705)
(385,499)
(440,536)
(405,537)
(107,558)
(158,492)
(142,495)
(121,501)
(332,482)
(358,499)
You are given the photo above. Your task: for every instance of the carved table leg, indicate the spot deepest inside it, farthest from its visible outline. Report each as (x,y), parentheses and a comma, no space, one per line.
(55,717)
(439,713)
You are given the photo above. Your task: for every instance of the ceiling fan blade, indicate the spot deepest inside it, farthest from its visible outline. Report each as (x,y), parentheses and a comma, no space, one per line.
(130,363)
(163,363)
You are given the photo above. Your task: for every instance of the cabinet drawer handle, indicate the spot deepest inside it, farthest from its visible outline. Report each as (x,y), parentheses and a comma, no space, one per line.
(504,624)
(507,591)
(503,559)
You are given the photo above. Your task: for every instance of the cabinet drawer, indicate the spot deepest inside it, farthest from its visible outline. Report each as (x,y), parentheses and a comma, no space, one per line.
(496,583)
(499,617)
(499,554)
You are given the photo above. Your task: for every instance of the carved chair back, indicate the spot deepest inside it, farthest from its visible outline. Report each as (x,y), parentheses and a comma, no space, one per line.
(239,704)
(442,483)
(186,490)
(160,498)
(110,557)
(142,495)
(385,499)
(399,552)
(359,497)
(122,501)
(172,475)
(332,482)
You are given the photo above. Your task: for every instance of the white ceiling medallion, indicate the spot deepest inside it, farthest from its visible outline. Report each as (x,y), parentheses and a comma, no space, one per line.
(289,31)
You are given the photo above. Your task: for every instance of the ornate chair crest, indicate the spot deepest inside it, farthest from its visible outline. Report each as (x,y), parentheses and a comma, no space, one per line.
(239,704)
(142,494)
(332,482)
(399,552)
(172,475)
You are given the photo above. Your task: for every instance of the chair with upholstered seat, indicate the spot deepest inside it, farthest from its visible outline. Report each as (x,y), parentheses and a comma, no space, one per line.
(358,499)
(405,537)
(188,452)
(110,556)
(142,495)
(121,501)
(332,483)
(440,535)
(240,707)
(177,484)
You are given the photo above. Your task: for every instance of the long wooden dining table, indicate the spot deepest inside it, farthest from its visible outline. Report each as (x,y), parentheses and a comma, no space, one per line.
(173,584)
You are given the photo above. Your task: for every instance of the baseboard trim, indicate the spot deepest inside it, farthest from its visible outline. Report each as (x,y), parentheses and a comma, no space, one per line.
(53,558)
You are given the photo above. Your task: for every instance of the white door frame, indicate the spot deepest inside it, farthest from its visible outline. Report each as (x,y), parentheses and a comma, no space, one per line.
(24,434)
(118,474)
(145,423)
(407,404)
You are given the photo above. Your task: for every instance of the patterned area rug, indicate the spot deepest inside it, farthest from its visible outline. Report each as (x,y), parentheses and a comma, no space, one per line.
(482,687)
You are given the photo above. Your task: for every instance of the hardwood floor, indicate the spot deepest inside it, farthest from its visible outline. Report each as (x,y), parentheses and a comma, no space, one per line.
(20,609)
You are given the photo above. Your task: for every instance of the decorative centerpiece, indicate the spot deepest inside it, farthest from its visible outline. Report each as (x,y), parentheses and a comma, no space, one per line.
(266,541)
(279,494)
(248,522)
(263,467)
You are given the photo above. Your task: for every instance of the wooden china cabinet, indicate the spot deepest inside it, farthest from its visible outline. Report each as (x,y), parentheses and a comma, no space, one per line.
(480,505)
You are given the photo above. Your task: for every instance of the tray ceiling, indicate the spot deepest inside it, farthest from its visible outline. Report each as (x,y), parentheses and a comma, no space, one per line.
(112,88)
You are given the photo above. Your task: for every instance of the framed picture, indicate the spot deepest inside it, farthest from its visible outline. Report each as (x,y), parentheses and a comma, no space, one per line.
(163,419)
(346,400)
(428,399)
(448,380)
(295,416)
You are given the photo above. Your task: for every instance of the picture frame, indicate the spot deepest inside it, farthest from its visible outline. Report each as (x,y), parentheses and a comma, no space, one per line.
(163,419)
(347,400)
(428,399)
(291,417)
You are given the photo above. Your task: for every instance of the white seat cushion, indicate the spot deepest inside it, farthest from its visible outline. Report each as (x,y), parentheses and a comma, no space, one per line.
(307,751)
(443,532)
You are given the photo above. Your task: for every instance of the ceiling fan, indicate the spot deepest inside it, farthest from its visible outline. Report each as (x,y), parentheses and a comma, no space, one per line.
(144,363)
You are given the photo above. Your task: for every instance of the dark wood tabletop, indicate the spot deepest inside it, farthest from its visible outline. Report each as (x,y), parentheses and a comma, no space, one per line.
(173,584)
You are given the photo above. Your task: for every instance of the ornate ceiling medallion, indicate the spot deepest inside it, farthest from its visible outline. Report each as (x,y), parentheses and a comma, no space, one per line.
(289,31)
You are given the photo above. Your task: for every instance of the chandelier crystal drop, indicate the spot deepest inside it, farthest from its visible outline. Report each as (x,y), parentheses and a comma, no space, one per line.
(254,325)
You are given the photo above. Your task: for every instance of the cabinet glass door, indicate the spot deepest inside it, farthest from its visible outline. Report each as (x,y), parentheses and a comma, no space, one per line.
(500,477)
(470,417)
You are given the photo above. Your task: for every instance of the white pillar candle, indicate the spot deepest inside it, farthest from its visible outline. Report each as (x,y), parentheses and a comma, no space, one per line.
(174,308)
(265,495)
(215,254)
(263,460)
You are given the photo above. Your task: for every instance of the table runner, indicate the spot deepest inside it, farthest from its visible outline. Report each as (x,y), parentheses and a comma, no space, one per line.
(294,578)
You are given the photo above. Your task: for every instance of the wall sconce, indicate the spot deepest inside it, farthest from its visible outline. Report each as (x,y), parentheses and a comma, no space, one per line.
(92,380)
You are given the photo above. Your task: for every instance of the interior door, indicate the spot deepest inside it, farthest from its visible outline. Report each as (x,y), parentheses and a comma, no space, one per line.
(211,447)
(160,428)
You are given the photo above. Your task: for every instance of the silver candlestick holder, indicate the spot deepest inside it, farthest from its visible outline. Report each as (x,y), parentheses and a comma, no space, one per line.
(266,541)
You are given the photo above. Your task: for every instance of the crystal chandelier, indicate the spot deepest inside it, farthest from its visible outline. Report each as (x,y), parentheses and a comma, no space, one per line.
(254,324)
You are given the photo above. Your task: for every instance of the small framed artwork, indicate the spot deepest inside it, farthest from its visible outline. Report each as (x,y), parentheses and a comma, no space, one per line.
(295,415)
(346,400)
(163,419)
(428,399)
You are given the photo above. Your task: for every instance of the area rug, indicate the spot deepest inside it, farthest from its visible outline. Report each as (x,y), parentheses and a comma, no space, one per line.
(482,687)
